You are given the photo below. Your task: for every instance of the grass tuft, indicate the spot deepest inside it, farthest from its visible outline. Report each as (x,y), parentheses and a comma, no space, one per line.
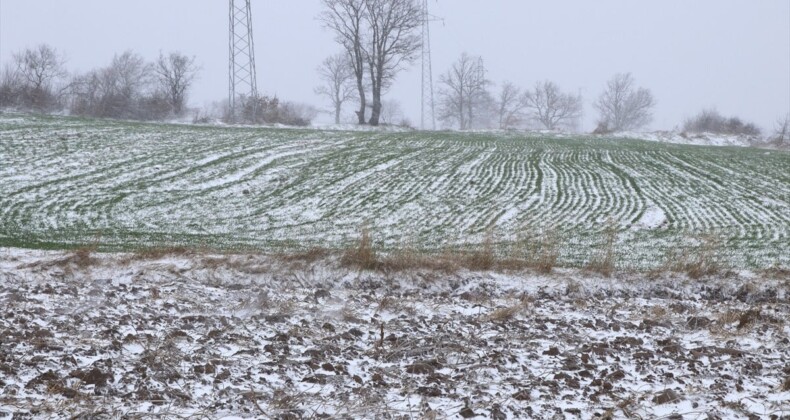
(604,262)
(363,255)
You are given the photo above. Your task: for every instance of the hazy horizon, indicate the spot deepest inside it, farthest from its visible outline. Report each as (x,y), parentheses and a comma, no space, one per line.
(730,55)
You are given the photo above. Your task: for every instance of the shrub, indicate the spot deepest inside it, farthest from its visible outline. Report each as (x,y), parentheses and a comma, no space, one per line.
(265,110)
(710,121)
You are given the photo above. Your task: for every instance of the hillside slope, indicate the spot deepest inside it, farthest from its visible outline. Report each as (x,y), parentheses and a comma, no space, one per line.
(68,182)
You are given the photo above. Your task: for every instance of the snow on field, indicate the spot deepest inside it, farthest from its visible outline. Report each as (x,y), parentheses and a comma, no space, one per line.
(653,218)
(698,139)
(121,186)
(248,336)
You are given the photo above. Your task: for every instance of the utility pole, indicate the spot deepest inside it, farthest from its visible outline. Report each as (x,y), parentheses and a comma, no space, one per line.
(428,116)
(242,80)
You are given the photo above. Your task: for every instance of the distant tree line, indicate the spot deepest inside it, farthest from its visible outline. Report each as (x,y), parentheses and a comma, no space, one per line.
(128,87)
(465,101)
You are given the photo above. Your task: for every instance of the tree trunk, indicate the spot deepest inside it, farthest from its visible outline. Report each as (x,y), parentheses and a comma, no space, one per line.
(375,115)
(376,79)
(362,102)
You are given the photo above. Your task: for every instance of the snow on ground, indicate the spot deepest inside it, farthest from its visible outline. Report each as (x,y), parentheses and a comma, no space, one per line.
(70,182)
(698,139)
(247,336)
(652,218)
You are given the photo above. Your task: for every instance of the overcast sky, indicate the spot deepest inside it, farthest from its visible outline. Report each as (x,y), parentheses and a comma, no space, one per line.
(730,54)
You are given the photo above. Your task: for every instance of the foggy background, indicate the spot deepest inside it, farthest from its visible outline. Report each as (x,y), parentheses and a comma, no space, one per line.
(733,55)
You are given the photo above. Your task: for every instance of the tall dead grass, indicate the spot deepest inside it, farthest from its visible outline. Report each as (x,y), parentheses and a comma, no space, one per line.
(363,255)
(604,262)
(539,251)
(700,261)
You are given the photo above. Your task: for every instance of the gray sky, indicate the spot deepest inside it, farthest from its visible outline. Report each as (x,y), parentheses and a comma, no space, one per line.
(730,54)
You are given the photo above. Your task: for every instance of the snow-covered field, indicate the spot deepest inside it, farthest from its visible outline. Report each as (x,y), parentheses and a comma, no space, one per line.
(697,139)
(125,186)
(248,336)
(288,335)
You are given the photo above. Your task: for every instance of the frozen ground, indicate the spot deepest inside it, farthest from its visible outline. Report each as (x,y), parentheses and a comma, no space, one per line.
(247,336)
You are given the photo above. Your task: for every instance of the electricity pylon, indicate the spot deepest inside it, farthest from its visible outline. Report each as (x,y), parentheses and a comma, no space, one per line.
(242,57)
(428,111)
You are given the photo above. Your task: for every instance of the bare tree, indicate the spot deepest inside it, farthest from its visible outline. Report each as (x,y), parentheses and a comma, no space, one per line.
(10,87)
(175,74)
(126,80)
(121,90)
(346,18)
(510,106)
(551,107)
(464,93)
(392,41)
(38,69)
(782,131)
(624,107)
(337,75)
(391,112)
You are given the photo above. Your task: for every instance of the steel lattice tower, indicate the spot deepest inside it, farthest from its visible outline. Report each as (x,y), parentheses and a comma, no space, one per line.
(428,114)
(242,55)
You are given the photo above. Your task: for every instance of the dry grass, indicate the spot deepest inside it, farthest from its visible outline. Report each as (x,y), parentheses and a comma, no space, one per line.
(80,258)
(748,318)
(408,259)
(482,259)
(83,257)
(701,261)
(364,255)
(507,313)
(604,262)
(309,256)
(777,272)
(160,253)
(729,317)
(547,251)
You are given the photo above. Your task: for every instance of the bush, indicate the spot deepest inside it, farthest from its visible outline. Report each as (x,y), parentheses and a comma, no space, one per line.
(265,110)
(710,121)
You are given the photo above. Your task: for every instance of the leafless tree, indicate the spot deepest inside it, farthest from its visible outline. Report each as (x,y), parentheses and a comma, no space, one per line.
(391,112)
(129,74)
(121,90)
(38,69)
(337,76)
(175,74)
(464,95)
(623,106)
(10,88)
(346,18)
(379,37)
(782,132)
(392,42)
(511,105)
(551,107)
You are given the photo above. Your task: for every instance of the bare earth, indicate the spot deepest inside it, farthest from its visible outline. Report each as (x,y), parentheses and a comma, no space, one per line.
(248,336)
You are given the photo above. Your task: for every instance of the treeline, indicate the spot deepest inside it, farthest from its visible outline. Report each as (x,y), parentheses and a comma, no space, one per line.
(128,87)
(466,101)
